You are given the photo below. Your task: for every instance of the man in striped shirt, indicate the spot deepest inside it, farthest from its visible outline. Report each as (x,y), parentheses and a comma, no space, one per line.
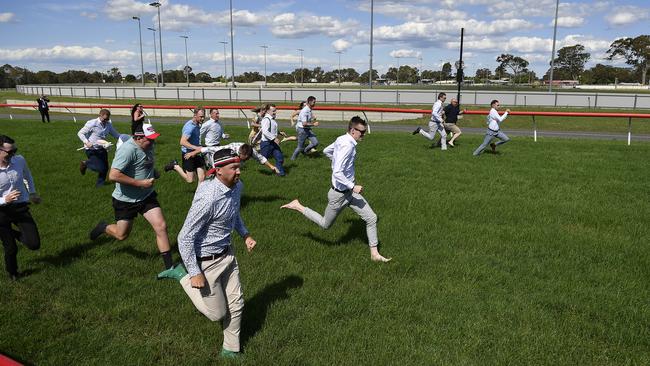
(345,191)
(212,277)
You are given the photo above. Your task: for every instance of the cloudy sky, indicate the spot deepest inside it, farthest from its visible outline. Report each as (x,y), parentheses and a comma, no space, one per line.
(97,35)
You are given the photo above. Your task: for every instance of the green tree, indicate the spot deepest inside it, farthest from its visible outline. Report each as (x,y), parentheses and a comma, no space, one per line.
(130,78)
(446,71)
(635,51)
(514,63)
(571,60)
(203,77)
(363,78)
(483,75)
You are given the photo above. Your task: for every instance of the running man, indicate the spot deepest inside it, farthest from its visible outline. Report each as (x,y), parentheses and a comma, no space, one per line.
(494,129)
(212,130)
(451,112)
(190,141)
(269,146)
(303,127)
(93,134)
(133,173)
(436,123)
(345,191)
(205,242)
(14,205)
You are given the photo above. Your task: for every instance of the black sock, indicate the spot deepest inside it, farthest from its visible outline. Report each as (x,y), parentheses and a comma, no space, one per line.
(167,259)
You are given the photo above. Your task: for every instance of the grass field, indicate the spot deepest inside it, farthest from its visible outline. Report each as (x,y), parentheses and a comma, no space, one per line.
(537,255)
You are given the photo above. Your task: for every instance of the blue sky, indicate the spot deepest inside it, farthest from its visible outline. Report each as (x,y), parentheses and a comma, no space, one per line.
(97,35)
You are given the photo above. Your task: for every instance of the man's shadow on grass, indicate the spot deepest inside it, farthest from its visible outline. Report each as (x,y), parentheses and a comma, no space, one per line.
(256,309)
(245,200)
(133,252)
(287,170)
(69,255)
(356,230)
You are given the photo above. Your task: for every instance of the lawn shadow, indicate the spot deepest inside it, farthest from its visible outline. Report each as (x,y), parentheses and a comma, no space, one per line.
(245,200)
(356,230)
(67,256)
(256,309)
(133,252)
(268,172)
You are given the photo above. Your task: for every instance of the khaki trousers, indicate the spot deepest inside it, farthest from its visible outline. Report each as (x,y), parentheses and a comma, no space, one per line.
(222,298)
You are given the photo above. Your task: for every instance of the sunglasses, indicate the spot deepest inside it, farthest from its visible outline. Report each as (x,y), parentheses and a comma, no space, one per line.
(10,152)
(362,132)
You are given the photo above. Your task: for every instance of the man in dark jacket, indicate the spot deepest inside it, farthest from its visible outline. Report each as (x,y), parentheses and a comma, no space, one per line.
(451,118)
(44,108)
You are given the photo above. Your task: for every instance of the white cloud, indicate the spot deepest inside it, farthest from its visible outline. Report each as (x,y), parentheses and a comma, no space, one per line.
(290,25)
(405,53)
(341,45)
(62,53)
(627,15)
(569,22)
(88,15)
(6,17)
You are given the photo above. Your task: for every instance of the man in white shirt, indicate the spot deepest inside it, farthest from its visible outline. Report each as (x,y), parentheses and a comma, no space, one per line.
(494,129)
(14,205)
(345,191)
(436,124)
(303,128)
(90,134)
(269,147)
(212,130)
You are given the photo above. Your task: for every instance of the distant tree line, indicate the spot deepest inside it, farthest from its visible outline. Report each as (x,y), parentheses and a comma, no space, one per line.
(568,65)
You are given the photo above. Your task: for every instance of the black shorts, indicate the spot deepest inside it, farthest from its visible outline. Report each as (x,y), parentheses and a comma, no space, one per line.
(129,210)
(190,165)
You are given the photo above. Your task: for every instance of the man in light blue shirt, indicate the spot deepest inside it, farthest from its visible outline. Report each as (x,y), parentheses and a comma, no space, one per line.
(193,166)
(14,205)
(212,277)
(93,135)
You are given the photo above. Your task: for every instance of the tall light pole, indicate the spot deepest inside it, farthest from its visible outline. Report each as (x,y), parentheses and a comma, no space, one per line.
(232,49)
(372,20)
(162,68)
(155,54)
(339,52)
(550,77)
(301,68)
(187,63)
(141,57)
(265,47)
(397,73)
(420,70)
(225,63)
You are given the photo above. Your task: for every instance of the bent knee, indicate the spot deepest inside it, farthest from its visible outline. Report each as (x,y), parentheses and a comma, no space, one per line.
(370,218)
(214,316)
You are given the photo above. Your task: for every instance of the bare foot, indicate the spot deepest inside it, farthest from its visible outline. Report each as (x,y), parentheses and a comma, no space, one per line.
(294,205)
(380,258)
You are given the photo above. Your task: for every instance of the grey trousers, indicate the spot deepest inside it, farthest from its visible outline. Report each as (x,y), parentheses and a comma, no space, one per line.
(337,201)
(222,299)
(489,135)
(433,128)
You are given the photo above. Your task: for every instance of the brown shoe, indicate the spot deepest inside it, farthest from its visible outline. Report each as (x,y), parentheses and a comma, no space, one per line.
(82,167)
(494,147)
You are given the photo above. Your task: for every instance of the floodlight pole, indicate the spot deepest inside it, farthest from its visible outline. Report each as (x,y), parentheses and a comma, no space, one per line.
(301,67)
(162,68)
(459,69)
(187,63)
(155,54)
(339,52)
(372,21)
(225,63)
(232,49)
(141,57)
(397,73)
(265,47)
(550,77)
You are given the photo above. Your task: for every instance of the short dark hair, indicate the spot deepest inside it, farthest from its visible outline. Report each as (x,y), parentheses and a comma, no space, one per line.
(245,149)
(197,110)
(494,101)
(302,105)
(214,109)
(4,139)
(104,111)
(440,95)
(355,121)
(311,99)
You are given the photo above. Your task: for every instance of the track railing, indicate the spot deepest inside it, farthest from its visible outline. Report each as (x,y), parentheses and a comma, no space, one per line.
(362,110)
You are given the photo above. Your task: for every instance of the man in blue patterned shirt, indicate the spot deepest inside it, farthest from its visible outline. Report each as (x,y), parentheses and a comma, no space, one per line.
(212,277)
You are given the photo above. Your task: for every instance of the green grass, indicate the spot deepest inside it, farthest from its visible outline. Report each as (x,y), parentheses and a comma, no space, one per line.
(537,255)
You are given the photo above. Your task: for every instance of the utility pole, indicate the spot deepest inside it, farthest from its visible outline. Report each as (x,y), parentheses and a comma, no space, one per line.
(141,57)
(225,63)
(232,49)
(550,78)
(265,47)
(155,54)
(162,68)
(372,19)
(301,68)
(339,52)
(187,63)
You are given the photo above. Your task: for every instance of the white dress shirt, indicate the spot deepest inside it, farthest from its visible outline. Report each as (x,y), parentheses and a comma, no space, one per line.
(304,116)
(269,128)
(211,132)
(342,153)
(13,178)
(95,130)
(436,112)
(494,119)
